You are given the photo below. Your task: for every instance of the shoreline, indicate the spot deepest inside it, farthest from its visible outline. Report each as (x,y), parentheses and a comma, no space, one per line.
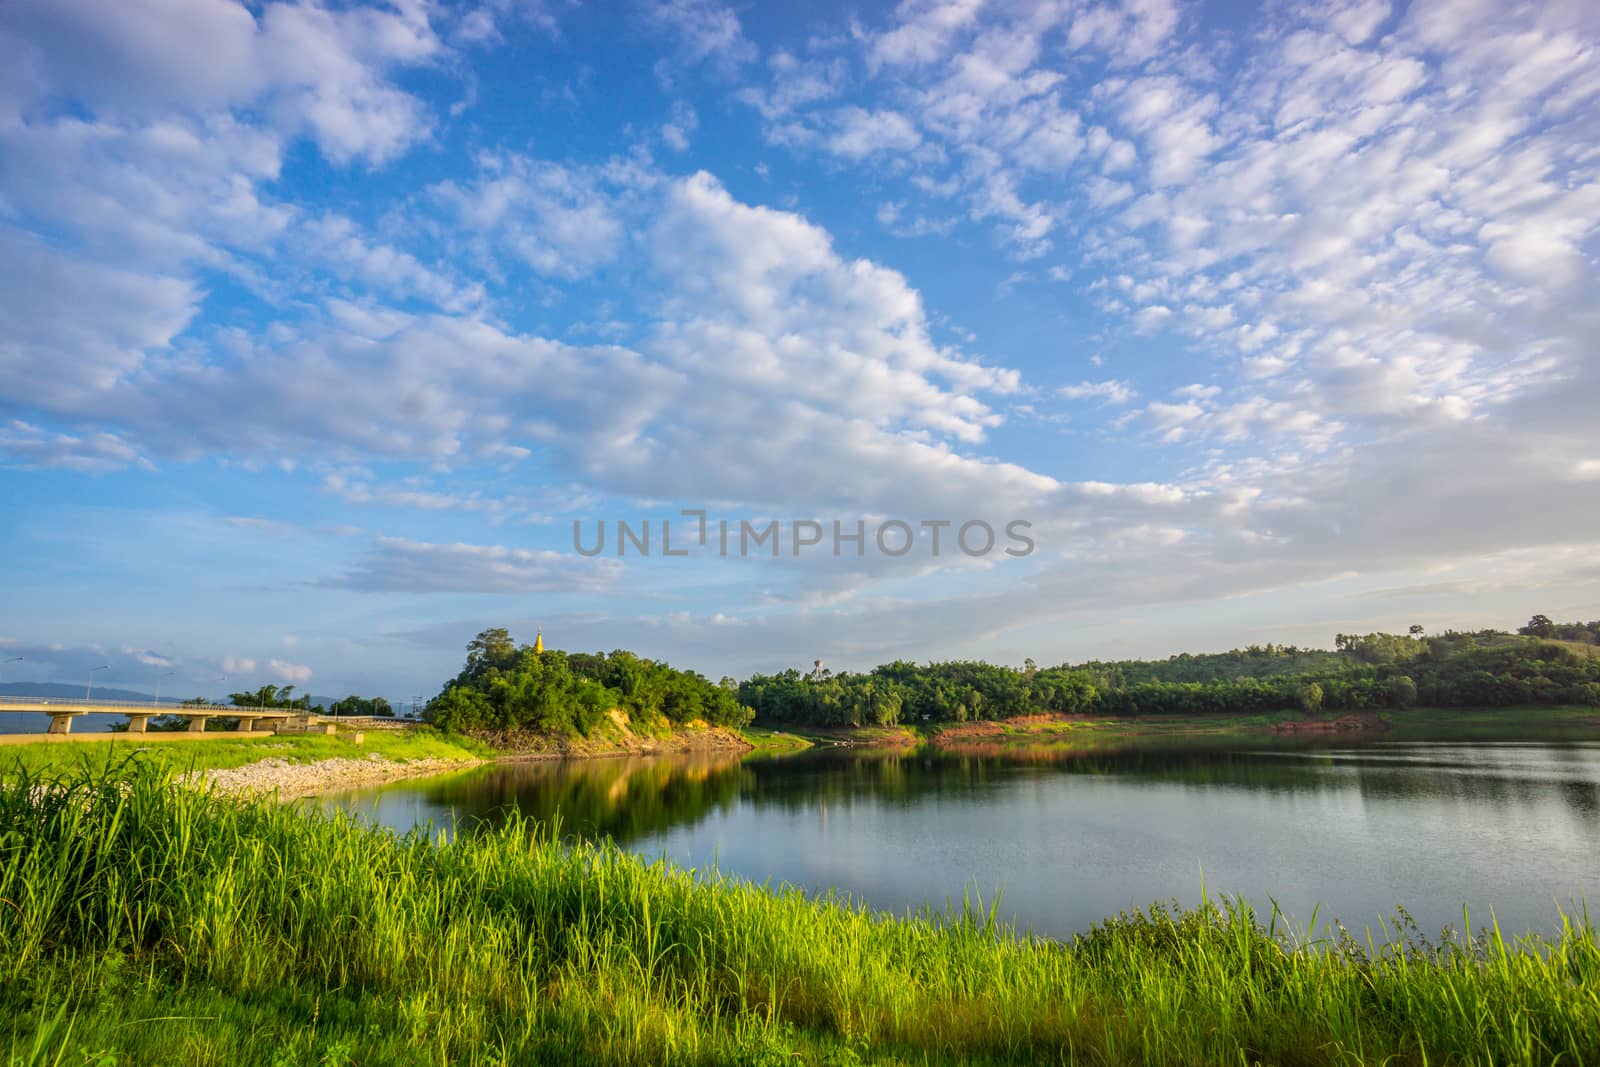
(290,780)
(295,781)
(1095,733)
(295,768)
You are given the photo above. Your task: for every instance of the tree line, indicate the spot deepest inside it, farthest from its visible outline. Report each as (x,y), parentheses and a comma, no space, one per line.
(1488,668)
(282,696)
(506,687)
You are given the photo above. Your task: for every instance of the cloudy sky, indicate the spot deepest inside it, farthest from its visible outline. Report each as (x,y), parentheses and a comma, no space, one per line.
(321,324)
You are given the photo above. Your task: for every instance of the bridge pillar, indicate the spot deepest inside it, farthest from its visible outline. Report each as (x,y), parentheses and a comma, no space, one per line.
(60,724)
(197,724)
(138,724)
(247,723)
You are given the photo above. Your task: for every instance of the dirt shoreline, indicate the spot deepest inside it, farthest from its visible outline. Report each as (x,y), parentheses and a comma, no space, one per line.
(292,781)
(621,741)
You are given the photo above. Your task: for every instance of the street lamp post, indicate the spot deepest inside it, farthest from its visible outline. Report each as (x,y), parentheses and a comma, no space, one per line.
(14,659)
(88,684)
(169,674)
(223,678)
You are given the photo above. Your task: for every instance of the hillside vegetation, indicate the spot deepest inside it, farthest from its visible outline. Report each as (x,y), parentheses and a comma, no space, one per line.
(1543,663)
(506,688)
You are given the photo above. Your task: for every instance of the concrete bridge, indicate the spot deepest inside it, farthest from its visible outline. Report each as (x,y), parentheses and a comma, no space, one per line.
(62,712)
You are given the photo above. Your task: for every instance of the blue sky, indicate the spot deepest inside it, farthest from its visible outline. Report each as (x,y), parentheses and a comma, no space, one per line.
(321,324)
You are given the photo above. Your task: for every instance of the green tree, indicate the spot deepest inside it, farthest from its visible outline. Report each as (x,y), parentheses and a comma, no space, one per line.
(492,649)
(355,705)
(271,696)
(1403,691)
(1539,626)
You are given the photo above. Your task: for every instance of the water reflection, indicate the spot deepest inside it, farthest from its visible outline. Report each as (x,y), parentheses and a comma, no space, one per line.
(624,799)
(1071,837)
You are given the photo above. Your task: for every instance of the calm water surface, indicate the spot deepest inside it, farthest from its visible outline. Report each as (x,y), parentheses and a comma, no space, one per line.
(1356,829)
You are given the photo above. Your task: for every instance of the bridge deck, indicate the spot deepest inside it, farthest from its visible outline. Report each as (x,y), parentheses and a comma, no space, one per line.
(62,712)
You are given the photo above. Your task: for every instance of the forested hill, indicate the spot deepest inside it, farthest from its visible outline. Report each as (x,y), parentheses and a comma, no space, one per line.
(506,687)
(1544,662)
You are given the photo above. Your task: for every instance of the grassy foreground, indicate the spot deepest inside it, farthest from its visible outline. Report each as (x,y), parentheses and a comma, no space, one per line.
(145,924)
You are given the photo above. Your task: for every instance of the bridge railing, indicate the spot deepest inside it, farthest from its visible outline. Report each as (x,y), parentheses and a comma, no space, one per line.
(114,706)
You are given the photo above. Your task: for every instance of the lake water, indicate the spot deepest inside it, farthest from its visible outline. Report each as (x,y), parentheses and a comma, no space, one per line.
(1069,840)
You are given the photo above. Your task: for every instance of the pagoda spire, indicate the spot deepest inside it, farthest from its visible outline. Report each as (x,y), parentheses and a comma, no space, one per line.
(538,641)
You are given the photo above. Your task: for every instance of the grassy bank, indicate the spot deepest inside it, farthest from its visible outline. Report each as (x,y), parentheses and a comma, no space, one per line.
(764,742)
(226,752)
(143,924)
(615,734)
(1532,722)
(1103,733)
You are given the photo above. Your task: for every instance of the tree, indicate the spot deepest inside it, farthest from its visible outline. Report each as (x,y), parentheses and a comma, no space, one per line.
(1310,697)
(1539,626)
(1403,691)
(271,696)
(492,649)
(355,705)
(1416,629)
(458,710)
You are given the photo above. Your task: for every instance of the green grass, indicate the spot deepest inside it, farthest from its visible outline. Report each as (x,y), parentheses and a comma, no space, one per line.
(773,742)
(180,756)
(1533,722)
(145,924)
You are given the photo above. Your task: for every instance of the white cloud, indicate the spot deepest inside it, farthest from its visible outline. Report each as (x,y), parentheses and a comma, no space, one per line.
(1111,391)
(704,30)
(677,131)
(420,495)
(764,302)
(859,133)
(308,68)
(293,673)
(352,254)
(75,328)
(398,565)
(1127,33)
(765,342)
(563,222)
(146,657)
(923,31)
(28,447)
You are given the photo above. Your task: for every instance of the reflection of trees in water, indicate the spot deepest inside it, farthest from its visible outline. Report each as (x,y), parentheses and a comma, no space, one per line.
(896,776)
(1528,775)
(627,799)
(619,798)
(1525,776)
(903,776)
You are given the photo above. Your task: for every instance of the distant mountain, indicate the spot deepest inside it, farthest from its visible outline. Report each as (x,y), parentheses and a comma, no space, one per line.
(67,690)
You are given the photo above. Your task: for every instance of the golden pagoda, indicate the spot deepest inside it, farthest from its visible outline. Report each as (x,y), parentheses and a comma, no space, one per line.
(538,641)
